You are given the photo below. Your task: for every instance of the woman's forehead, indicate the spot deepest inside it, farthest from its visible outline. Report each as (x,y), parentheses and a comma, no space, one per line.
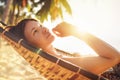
(32,24)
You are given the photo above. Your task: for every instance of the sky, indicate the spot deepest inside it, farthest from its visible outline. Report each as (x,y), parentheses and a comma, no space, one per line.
(99,17)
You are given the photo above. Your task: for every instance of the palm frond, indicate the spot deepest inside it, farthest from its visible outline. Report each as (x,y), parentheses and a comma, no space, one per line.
(66,6)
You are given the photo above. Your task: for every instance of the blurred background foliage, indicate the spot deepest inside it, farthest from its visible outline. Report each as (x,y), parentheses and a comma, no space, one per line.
(13,10)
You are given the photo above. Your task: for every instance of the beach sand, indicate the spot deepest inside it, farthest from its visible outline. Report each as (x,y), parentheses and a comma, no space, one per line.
(14,67)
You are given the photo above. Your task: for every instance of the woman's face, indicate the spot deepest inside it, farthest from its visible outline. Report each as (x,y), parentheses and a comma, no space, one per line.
(38,35)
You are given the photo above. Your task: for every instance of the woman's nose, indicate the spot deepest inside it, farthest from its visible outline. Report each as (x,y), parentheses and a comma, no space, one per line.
(45,29)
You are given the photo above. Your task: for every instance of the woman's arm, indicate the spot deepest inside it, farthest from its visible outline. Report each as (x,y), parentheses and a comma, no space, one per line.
(102,48)
(108,56)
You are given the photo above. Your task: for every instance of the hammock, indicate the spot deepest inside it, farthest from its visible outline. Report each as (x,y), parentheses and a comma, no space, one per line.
(49,66)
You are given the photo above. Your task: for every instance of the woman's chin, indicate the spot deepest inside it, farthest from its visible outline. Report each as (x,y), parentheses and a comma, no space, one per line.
(50,40)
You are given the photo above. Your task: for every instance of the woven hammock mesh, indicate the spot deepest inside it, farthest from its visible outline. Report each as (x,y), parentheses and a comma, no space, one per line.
(50,70)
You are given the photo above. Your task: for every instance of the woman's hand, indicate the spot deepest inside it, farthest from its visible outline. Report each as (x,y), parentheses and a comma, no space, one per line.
(65,29)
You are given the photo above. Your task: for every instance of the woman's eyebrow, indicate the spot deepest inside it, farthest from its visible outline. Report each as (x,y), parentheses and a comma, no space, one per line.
(41,26)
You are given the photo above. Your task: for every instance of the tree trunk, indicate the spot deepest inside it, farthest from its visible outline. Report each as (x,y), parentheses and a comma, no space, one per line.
(6,11)
(6,14)
(12,15)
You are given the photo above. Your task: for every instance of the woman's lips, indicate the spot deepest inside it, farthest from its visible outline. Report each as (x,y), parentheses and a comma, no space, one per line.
(48,35)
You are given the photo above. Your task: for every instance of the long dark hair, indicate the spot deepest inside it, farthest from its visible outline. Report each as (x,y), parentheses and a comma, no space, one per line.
(18,29)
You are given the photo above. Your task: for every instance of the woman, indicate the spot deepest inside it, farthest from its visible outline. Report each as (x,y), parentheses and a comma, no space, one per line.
(39,36)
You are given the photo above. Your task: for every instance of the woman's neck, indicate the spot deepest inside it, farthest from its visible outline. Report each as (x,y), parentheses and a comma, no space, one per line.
(50,49)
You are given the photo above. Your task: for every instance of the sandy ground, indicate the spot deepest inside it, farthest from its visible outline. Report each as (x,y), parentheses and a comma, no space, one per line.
(14,67)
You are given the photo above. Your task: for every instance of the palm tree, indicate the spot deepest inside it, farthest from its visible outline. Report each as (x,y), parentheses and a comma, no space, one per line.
(42,9)
(46,8)
(52,8)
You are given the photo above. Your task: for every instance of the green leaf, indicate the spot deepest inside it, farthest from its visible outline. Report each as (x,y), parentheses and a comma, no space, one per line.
(43,12)
(66,6)
(60,12)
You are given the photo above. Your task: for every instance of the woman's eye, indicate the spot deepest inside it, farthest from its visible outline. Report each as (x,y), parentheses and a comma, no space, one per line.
(34,32)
